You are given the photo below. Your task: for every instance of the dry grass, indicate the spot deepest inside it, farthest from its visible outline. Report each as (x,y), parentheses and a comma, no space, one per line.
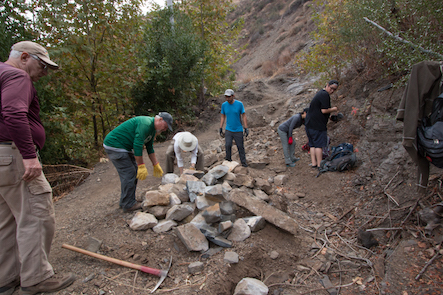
(285,57)
(269,67)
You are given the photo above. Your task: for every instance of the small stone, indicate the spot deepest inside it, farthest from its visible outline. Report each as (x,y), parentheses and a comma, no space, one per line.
(230,257)
(274,255)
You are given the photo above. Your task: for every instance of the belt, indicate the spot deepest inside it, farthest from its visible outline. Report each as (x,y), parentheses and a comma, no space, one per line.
(6,142)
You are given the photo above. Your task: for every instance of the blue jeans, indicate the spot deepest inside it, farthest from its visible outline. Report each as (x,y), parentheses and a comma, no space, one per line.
(126,167)
(238,137)
(288,150)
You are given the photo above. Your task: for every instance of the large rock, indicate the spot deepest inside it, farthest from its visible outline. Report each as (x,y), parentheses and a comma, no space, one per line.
(249,286)
(143,221)
(216,192)
(261,208)
(219,171)
(264,185)
(169,178)
(240,231)
(244,180)
(212,214)
(158,211)
(192,237)
(195,188)
(155,198)
(180,212)
(164,226)
(256,223)
(261,195)
(181,192)
(230,164)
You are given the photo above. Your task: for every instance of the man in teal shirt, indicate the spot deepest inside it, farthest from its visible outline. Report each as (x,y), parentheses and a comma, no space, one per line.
(233,113)
(124,146)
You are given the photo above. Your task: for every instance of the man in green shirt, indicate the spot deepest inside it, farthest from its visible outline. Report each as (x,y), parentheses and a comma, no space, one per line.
(124,146)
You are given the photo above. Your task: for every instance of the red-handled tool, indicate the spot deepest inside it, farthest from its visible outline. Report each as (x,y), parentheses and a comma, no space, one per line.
(153,271)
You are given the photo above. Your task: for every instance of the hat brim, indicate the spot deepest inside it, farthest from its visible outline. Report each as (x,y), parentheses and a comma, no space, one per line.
(49,62)
(188,148)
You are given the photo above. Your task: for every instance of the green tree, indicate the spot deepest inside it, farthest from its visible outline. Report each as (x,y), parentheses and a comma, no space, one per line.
(172,62)
(345,37)
(93,42)
(210,21)
(13,25)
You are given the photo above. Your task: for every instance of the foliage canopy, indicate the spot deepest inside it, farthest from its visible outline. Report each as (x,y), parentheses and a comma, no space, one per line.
(343,37)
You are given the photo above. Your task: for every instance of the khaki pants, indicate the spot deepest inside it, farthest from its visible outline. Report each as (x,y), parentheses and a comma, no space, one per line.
(27,222)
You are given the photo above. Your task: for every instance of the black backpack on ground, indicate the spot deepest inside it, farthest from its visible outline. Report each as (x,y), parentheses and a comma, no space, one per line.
(430,134)
(341,159)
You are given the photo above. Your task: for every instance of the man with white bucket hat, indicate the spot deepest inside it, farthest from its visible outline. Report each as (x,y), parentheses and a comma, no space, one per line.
(184,142)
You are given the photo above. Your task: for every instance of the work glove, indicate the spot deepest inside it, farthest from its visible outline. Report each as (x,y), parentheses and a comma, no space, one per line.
(142,172)
(158,172)
(290,140)
(246,132)
(222,134)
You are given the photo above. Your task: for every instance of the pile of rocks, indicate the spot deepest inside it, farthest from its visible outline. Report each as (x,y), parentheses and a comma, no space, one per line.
(201,207)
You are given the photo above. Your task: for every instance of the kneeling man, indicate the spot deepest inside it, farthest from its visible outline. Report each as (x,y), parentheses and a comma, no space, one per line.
(184,142)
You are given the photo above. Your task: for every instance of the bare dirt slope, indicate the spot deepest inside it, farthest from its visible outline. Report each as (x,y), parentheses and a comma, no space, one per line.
(331,209)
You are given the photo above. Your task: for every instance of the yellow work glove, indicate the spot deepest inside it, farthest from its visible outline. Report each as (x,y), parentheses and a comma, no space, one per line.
(142,172)
(158,172)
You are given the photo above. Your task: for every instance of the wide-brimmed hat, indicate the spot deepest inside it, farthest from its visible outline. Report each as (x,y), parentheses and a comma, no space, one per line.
(35,49)
(187,142)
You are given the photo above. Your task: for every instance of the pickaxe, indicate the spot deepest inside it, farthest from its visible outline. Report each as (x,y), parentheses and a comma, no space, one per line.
(153,271)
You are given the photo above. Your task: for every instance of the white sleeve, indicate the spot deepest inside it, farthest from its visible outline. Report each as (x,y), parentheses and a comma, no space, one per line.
(194,155)
(178,154)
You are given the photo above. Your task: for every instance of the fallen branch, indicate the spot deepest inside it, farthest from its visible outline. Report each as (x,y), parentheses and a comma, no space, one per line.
(403,40)
(384,228)
(386,193)
(426,266)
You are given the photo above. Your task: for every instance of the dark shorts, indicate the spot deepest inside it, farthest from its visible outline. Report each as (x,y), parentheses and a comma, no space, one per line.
(317,138)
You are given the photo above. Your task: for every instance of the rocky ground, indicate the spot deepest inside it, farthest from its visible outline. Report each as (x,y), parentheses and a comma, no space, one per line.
(331,251)
(331,212)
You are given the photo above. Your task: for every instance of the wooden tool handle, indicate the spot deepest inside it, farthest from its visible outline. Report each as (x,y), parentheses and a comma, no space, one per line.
(153,271)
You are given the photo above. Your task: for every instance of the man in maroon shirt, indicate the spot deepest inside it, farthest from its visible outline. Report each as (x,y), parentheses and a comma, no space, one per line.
(27,221)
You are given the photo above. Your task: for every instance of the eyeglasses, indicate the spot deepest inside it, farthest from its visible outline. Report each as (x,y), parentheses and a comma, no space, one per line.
(44,66)
(228,96)
(333,88)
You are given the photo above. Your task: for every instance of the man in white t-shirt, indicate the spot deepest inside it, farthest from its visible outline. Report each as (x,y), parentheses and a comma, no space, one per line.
(184,142)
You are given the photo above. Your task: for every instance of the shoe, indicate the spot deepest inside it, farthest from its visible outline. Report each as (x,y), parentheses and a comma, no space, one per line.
(53,284)
(290,165)
(295,160)
(9,288)
(137,205)
(244,165)
(315,167)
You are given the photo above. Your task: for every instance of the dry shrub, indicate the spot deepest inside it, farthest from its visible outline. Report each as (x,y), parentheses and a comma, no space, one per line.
(244,78)
(285,57)
(268,68)
(296,29)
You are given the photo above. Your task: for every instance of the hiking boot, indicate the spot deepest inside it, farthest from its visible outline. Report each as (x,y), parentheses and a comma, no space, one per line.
(9,288)
(137,205)
(290,165)
(52,284)
(295,160)
(244,165)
